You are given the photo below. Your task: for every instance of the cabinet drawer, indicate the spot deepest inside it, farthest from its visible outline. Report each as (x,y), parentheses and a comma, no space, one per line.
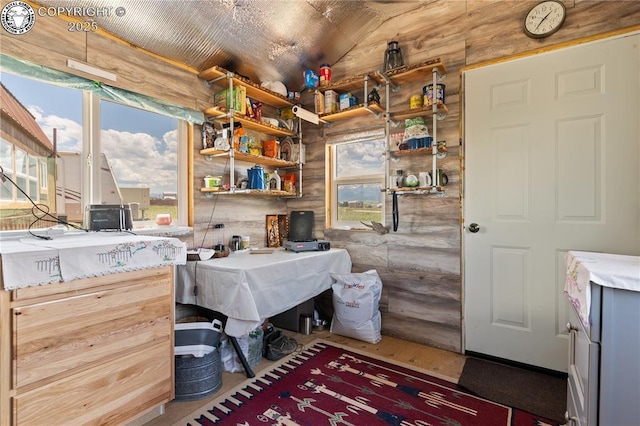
(107,394)
(53,337)
(583,372)
(574,407)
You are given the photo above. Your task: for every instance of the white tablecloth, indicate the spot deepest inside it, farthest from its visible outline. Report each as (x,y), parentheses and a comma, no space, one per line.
(607,270)
(32,261)
(248,288)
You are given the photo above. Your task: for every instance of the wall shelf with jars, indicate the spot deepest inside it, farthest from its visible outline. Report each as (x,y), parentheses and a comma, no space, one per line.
(433,106)
(360,90)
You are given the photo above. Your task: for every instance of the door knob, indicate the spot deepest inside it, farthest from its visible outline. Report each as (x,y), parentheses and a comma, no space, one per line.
(570,328)
(474,227)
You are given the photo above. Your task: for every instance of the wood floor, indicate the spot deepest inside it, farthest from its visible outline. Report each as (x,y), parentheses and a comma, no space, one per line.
(442,362)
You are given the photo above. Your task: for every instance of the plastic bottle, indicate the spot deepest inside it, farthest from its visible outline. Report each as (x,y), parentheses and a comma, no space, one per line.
(275,182)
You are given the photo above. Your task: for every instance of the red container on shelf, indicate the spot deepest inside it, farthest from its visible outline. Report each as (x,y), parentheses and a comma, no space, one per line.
(325,74)
(270,148)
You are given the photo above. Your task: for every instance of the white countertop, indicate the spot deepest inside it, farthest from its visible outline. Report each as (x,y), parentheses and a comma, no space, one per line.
(605,269)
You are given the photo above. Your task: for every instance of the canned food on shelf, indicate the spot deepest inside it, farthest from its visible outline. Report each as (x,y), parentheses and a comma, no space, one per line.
(428,94)
(415,102)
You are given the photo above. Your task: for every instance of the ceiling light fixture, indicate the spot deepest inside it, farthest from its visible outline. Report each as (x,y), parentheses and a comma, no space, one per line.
(90,70)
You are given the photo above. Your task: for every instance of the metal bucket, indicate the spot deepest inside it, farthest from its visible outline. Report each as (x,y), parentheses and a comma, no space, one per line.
(198,364)
(197,378)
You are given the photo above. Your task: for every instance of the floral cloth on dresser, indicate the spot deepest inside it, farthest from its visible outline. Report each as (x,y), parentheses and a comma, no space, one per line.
(607,270)
(31,261)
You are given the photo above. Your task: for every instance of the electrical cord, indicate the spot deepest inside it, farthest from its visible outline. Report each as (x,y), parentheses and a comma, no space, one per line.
(38,209)
(213,209)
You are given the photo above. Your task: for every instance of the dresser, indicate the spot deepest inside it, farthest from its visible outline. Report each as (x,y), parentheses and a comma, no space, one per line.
(604,339)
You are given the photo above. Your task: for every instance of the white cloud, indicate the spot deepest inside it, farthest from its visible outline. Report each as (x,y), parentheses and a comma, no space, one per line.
(69,132)
(137,159)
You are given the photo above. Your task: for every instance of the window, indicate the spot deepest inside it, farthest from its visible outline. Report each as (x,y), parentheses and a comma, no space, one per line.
(6,162)
(357,172)
(132,148)
(141,149)
(26,176)
(44,181)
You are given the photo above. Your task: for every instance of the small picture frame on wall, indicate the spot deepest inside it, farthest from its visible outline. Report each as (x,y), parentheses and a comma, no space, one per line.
(277,226)
(283,227)
(273,231)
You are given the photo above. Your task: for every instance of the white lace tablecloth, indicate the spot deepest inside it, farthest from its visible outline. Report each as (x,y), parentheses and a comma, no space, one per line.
(32,261)
(607,270)
(248,288)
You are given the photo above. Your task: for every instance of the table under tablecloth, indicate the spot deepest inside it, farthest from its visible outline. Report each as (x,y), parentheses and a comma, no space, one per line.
(249,288)
(608,270)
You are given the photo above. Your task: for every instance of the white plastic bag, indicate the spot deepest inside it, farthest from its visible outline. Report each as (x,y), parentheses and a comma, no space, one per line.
(251,346)
(356,298)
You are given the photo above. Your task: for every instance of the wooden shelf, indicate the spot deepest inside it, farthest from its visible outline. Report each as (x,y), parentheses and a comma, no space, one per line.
(411,73)
(353,83)
(260,192)
(416,190)
(355,111)
(421,112)
(254,91)
(249,158)
(247,123)
(411,152)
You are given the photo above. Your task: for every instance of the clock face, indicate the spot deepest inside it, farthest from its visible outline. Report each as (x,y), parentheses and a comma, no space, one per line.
(544,19)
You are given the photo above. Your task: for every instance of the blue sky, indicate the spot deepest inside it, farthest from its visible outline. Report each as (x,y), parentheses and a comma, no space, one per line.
(141,146)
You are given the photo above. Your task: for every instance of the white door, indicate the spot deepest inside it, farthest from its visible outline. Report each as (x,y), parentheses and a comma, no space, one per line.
(551,154)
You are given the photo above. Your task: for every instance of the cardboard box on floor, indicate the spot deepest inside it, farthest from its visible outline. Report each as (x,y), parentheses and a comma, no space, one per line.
(290,320)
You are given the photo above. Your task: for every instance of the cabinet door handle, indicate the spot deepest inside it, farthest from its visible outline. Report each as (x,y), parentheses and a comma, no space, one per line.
(569,419)
(571,328)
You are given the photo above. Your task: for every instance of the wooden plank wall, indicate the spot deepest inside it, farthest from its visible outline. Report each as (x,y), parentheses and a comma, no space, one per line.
(420,265)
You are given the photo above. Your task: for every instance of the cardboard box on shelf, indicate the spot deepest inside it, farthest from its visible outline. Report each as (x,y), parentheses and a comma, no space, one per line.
(223,101)
(330,102)
(347,100)
(289,182)
(319,102)
(270,148)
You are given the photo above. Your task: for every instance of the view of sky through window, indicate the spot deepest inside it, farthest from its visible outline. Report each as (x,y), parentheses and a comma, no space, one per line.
(141,146)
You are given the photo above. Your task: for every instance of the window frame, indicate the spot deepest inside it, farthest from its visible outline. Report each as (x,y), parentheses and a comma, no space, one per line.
(333,182)
(43,170)
(182,159)
(90,161)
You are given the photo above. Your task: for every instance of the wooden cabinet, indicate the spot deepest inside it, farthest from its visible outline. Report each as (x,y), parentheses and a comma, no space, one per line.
(89,351)
(222,78)
(604,360)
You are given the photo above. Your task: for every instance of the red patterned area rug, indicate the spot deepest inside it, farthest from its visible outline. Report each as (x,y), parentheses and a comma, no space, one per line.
(330,385)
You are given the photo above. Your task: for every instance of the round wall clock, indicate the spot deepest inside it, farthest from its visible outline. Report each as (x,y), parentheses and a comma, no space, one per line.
(544,18)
